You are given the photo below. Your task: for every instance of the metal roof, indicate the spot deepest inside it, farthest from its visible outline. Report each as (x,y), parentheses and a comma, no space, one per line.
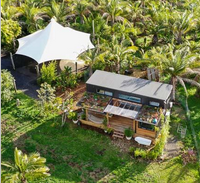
(131,85)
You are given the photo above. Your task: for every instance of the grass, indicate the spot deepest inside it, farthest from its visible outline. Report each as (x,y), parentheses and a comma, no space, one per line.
(75,154)
(194,107)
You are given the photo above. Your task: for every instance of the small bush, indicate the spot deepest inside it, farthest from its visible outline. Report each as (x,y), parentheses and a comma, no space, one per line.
(7,86)
(132,150)
(48,73)
(152,155)
(83,116)
(140,153)
(137,152)
(47,96)
(67,79)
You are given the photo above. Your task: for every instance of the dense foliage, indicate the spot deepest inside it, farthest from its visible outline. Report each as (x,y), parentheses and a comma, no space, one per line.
(7,86)
(48,73)
(10,30)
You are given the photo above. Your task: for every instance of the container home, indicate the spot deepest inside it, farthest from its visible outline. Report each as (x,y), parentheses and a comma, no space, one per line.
(125,102)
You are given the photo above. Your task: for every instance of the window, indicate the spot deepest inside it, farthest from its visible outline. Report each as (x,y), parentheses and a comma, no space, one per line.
(146,126)
(100,91)
(130,98)
(104,92)
(154,103)
(108,93)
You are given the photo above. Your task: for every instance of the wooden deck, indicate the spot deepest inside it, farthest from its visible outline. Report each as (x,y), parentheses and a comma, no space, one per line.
(119,123)
(92,124)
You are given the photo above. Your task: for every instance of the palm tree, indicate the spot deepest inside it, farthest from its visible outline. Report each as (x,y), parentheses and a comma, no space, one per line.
(81,8)
(134,12)
(175,64)
(57,10)
(32,16)
(113,10)
(117,52)
(91,57)
(26,168)
(183,23)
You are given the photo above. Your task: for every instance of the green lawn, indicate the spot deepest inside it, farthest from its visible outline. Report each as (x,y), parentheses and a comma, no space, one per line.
(75,154)
(194,107)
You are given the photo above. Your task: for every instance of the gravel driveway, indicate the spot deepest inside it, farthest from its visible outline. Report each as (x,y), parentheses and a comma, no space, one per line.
(25,79)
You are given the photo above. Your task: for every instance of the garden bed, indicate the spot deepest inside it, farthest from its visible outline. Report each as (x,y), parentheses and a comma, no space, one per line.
(94,101)
(149,114)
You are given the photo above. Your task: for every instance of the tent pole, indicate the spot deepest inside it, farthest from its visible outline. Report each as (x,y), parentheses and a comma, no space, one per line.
(93,30)
(37,70)
(14,84)
(12,61)
(76,67)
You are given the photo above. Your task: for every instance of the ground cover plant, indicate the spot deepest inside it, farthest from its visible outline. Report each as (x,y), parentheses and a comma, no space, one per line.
(75,154)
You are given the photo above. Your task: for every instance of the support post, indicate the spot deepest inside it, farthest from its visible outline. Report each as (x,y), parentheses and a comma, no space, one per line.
(76,67)
(14,84)
(93,31)
(12,61)
(107,117)
(86,114)
(37,70)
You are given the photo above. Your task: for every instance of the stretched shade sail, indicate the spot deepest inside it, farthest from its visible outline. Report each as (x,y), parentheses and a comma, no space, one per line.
(53,43)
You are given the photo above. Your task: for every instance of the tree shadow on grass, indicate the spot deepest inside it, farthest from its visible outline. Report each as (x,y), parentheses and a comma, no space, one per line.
(178,172)
(72,153)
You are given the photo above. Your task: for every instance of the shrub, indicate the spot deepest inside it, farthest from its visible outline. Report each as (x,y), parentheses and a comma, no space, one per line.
(128,132)
(10,30)
(67,79)
(143,153)
(7,86)
(137,152)
(46,95)
(132,149)
(83,116)
(152,155)
(140,152)
(48,73)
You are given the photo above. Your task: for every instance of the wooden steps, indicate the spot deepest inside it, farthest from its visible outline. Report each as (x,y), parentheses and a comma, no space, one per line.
(118,134)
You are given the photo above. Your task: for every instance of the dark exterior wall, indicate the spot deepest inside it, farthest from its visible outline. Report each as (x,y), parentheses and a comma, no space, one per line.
(144,100)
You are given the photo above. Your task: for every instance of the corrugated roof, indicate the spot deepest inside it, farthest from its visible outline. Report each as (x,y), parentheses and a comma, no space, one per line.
(129,84)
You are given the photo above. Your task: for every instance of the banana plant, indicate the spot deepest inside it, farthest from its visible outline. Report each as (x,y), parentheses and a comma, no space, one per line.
(25,168)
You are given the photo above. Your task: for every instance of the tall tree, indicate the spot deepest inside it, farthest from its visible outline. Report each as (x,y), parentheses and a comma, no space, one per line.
(175,63)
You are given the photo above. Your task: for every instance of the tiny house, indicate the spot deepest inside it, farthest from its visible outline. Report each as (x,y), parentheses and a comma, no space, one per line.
(130,89)
(126,102)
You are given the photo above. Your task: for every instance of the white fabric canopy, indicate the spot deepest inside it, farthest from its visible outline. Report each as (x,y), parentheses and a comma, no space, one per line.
(53,43)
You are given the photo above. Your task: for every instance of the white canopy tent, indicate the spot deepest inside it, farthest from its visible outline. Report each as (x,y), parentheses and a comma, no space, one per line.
(53,43)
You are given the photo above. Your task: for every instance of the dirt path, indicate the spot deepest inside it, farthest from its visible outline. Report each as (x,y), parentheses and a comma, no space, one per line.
(173,147)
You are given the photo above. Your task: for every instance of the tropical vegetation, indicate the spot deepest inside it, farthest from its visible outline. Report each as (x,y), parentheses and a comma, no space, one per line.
(127,34)
(25,169)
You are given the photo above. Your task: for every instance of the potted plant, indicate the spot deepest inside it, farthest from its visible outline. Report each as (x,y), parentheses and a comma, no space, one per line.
(128,133)
(75,118)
